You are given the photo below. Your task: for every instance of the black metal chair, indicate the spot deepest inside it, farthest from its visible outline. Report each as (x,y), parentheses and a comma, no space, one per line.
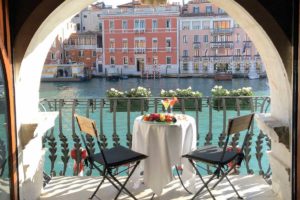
(110,159)
(220,157)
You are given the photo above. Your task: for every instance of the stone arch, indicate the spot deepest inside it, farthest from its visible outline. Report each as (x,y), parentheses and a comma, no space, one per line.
(37,33)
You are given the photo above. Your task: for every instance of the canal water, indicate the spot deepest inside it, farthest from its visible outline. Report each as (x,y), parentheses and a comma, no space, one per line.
(97,87)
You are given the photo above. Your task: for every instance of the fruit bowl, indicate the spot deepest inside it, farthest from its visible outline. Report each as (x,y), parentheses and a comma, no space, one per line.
(159,117)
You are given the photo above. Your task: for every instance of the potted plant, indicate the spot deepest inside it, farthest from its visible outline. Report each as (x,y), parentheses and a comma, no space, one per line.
(190,97)
(218,92)
(134,96)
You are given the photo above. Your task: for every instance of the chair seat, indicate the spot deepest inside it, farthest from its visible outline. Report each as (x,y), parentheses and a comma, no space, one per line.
(117,156)
(212,155)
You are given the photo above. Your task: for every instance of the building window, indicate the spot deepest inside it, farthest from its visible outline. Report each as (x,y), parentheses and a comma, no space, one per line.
(221,24)
(112,60)
(100,26)
(124,25)
(154,60)
(196,9)
(196,52)
(185,25)
(78,27)
(196,38)
(77,15)
(61,55)
(220,11)
(112,43)
(80,53)
(154,25)
(83,28)
(125,60)
(111,25)
(53,56)
(154,43)
(205,38)
(238,52)
(168,23)
(168,42)
(238,37)
(196,65)
(84,16)
(184,39)
(66,54)
(125,43)
(94,54)
(139,25)
(208,9)
(168,60)
(185,53)
(206,24)
(196,25)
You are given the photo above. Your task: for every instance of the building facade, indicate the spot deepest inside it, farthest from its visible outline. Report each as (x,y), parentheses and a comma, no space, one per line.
(210,40)
(139,40)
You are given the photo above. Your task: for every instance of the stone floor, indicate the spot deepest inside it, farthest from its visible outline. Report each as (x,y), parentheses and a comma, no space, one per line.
(80,188)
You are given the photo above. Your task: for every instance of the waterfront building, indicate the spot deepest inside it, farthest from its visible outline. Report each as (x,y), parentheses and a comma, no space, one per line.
(56,51)
(140,39)
(210,40)
(85,47)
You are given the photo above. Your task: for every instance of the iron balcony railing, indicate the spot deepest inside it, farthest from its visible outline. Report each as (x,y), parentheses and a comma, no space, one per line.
(115,116)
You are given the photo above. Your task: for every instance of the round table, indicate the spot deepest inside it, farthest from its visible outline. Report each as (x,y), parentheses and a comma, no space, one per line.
(164,144)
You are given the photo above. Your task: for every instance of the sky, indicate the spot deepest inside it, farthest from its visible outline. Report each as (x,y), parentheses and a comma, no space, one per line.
(114,3)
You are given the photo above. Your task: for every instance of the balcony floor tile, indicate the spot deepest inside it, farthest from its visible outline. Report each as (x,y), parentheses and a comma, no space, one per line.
(80,188)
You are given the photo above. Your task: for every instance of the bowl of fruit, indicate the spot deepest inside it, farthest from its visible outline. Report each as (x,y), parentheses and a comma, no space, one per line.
(159,117)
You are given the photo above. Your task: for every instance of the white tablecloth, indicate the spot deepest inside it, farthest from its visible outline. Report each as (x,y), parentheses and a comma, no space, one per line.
(164,144)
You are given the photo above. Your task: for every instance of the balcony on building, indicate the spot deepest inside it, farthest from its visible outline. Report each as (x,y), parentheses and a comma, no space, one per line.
(125,50)
(168,49)
(221,44)
(253,178)
(111,50)
(216,31)
(140,50)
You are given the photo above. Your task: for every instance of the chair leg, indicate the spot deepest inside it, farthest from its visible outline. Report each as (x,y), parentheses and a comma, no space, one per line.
(182,181)
(104,176)
(239,197)
(205,184)
(123,185)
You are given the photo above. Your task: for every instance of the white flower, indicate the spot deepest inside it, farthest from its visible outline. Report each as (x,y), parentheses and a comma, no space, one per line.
(189,88)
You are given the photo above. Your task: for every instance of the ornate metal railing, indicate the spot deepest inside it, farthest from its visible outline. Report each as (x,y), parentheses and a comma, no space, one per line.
(115,117)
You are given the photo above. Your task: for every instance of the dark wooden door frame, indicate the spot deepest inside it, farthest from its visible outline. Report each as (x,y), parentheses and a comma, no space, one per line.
(6,57)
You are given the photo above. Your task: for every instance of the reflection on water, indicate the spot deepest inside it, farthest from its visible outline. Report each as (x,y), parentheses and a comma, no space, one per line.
(98,86)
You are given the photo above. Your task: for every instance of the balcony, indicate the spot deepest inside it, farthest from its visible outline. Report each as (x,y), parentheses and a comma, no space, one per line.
(154,49)
(224,44)
(113,131)
(125,50)
(196,45)
(69,47)
(168,49)
(221,31)
(139,50)
(111,50)
(247,44)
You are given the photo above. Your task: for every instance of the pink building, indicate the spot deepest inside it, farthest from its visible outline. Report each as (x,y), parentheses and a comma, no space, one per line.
(140,39)
(210,40)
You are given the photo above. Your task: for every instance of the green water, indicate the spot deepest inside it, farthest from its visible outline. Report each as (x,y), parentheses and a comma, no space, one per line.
(96,88)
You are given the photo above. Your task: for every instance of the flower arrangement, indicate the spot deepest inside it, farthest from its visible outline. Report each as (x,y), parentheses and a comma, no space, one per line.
(138,92)
(188,92)
(159,117)
(135,104)
(189,96)
(133,92)
(112,92)
(219,91)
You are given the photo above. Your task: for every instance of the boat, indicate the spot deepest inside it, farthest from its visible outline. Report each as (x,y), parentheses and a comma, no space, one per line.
(252,73)
(65,73)
(112,74)
(223,76)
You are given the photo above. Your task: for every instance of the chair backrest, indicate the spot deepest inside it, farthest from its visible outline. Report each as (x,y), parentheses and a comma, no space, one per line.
(236,125)
(88,126)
